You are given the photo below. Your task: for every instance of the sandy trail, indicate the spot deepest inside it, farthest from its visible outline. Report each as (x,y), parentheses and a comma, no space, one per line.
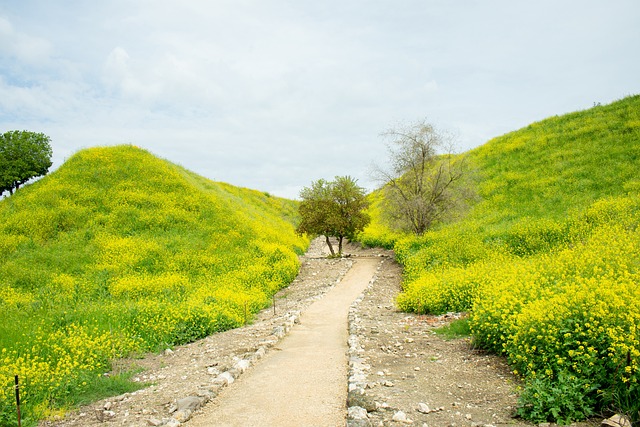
(302,382)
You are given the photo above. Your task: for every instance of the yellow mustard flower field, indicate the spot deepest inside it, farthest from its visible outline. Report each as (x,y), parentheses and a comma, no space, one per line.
(547,262)
(118,253)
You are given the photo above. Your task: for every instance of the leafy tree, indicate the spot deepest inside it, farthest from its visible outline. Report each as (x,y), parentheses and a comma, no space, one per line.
(333,209)
(421,186)
(23,155)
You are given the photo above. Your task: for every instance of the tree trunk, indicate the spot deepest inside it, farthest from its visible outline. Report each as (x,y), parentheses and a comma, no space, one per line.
(340,245)
(330,246)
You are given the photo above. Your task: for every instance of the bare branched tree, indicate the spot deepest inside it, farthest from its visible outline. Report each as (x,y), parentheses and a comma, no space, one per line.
(420,184)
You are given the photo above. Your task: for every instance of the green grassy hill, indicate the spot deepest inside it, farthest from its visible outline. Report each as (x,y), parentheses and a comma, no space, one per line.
(560,164)
(119,252)
(547,262)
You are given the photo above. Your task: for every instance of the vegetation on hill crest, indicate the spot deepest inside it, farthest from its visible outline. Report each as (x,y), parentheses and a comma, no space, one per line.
(547,262)
(119,252)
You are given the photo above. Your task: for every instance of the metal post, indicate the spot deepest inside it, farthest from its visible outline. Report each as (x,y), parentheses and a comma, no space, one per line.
(18,401)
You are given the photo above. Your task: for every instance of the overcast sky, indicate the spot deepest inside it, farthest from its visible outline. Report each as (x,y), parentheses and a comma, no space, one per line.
(273,94)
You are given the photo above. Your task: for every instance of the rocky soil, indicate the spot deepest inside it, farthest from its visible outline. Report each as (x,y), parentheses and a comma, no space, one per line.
(401,372)
(410,375)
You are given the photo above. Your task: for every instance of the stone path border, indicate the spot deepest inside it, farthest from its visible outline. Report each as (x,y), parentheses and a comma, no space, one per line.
(302,384)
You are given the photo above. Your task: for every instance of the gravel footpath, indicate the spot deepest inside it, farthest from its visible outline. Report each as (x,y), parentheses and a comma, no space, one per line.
(401,372)
(184,378)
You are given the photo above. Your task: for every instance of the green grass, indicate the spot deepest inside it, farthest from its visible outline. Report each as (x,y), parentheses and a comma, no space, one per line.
(105,386)
(119,252)
(457,329)
(547,262)
(560,164)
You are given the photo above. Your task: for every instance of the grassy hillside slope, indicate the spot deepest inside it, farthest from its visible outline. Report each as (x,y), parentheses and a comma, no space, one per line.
(118,252)
(560,164)
(548,261)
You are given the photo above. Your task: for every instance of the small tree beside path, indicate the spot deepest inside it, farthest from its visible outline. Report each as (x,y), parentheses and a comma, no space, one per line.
(333,209)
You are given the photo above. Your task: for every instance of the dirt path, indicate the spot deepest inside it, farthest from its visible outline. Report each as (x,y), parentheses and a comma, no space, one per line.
(303,382)
(403,363)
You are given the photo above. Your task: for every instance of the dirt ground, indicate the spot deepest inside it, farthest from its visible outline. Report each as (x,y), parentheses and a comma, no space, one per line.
(303,382)
(409,366)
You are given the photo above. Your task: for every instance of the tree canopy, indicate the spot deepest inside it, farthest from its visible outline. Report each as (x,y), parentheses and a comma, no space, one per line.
(23,155)
(333,209)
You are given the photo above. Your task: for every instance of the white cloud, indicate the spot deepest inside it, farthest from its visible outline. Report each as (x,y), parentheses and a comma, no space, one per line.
(273,94)
(21,46)
(131,83)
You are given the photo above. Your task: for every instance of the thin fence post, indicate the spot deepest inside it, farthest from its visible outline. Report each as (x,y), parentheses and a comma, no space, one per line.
(18,401)
(245,314)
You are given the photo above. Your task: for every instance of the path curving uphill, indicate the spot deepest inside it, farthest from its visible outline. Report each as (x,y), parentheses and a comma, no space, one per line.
(301,382)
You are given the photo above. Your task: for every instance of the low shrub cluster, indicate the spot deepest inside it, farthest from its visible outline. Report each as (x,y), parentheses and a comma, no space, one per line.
(562,307)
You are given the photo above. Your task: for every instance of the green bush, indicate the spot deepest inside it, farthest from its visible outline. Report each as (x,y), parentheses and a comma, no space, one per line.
(563,399)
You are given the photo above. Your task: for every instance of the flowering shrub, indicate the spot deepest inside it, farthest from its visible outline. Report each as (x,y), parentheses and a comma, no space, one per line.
(548,262)
(56,364)
(567,312)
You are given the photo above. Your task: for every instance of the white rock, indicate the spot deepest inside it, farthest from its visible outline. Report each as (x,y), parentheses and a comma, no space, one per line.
(242,365)
(226,377)
(279,331)
(357,377)
(354,387)
(401,417)
(617,420)
(357,413)
(423,408)
(383,405)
